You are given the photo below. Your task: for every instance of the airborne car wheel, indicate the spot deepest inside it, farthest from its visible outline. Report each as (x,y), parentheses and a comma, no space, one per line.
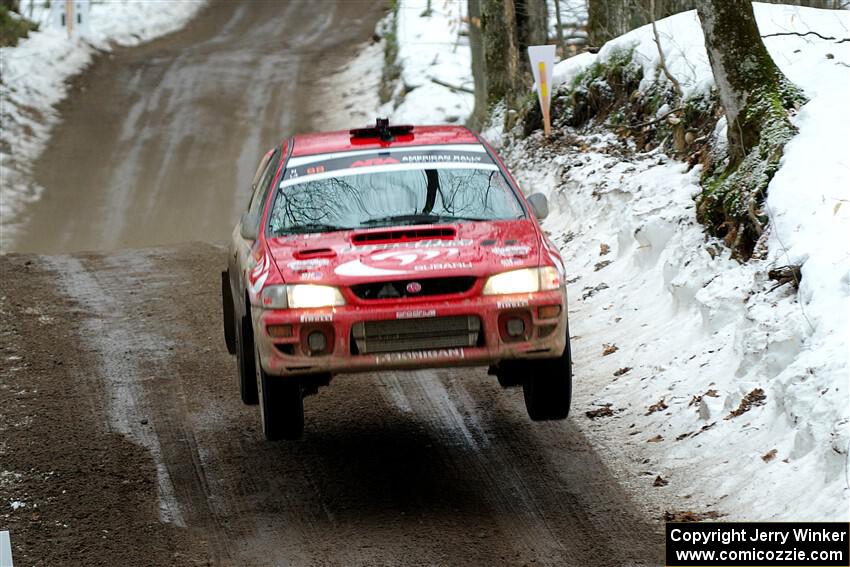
(548,391)
(245,361)
(281,405)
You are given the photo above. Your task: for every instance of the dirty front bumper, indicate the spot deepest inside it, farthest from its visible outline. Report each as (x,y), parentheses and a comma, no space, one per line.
(479,331)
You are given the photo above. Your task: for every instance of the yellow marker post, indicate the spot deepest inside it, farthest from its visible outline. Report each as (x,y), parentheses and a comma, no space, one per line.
(542,62)
(544,97)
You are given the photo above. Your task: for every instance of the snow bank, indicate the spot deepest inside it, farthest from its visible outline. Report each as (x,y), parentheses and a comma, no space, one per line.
(733,389)
(684,47)
(431,47)
(33,82)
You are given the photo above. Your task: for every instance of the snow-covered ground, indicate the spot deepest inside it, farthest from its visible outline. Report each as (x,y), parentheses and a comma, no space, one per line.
(672,335)
(689,333)
(431,46)
(34,75)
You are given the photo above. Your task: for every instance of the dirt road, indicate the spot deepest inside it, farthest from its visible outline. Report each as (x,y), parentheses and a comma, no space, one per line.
(156,140)
(122,438)
(122,417)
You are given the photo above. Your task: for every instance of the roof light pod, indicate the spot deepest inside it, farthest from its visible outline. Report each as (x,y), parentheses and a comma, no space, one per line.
(381,130)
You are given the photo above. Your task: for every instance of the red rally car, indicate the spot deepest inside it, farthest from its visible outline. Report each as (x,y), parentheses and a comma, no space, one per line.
(392,247)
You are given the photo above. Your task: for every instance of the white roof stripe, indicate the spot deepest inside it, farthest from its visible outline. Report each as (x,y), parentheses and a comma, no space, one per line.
(301,160)
(388,167)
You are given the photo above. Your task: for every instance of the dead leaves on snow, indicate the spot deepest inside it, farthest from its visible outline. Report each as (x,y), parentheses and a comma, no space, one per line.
(769,456)
(609,349)
(753,399)
(589,292)
(604,411)
(657,406)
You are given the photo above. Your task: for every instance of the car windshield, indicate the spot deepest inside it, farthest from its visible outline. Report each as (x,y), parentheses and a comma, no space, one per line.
(375,196)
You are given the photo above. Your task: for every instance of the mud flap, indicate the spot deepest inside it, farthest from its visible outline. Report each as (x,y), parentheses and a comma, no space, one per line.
(227,313)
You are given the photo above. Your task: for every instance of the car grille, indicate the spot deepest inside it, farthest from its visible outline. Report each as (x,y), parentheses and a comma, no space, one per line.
(371,337)
(398,288)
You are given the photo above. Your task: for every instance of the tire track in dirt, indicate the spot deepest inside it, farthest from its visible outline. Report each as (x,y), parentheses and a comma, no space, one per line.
(422,468)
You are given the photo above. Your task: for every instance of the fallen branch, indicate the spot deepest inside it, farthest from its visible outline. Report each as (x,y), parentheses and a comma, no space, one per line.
(651,122)
(676,86)
(828,38)
(453,87)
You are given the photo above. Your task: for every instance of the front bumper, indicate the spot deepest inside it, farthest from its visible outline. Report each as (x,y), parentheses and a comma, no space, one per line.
(543,337)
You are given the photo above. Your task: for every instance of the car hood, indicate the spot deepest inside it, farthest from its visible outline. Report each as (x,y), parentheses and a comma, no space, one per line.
(401,252)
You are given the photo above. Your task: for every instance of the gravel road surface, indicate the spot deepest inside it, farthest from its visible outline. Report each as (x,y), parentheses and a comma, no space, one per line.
(122,438)
(156,140)
(121,413)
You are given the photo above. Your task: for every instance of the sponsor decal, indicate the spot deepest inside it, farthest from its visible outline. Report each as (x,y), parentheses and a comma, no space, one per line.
(443,266)
(515,304)
(416,314)
(401,261)
(391,357)
(258,275)
(405,257)
(317,317)
(373,161)
(508,262)
(511,250)
(356,268)
(310,276)
(308,264)
(443,157)
(417,244)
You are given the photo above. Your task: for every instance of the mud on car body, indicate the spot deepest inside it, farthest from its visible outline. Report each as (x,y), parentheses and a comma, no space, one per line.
(392,247)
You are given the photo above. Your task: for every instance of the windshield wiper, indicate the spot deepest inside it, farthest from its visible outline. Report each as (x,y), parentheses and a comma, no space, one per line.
(316,227)
(416,219)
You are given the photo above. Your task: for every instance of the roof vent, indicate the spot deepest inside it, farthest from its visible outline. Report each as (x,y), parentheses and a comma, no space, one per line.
(382,130)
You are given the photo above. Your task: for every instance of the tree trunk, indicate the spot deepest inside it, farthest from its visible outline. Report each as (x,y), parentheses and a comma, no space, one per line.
(756,97)
(607,19)
(532,19)
(479,72)
(744,72)
(498,28)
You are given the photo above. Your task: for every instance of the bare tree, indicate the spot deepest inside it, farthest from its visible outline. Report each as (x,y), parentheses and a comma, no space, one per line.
(501,55)
(479,72)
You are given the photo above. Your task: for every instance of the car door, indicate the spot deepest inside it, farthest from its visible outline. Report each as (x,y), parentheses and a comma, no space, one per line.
(240,261)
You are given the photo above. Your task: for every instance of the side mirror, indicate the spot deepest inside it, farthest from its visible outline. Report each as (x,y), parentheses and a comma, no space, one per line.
(248,228)
(539,205)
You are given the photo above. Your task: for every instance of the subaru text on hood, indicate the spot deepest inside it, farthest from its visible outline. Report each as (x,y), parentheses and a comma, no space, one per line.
(386,248)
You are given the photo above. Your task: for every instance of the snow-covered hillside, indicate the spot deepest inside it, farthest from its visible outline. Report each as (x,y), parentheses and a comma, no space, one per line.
(34,73)
(731,388)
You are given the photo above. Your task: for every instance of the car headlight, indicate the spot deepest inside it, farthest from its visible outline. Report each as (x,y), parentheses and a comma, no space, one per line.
(301,296)
(526,280)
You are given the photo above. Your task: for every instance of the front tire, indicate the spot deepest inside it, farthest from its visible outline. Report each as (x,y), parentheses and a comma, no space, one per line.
(549,388)
(281,405)
(245,361)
